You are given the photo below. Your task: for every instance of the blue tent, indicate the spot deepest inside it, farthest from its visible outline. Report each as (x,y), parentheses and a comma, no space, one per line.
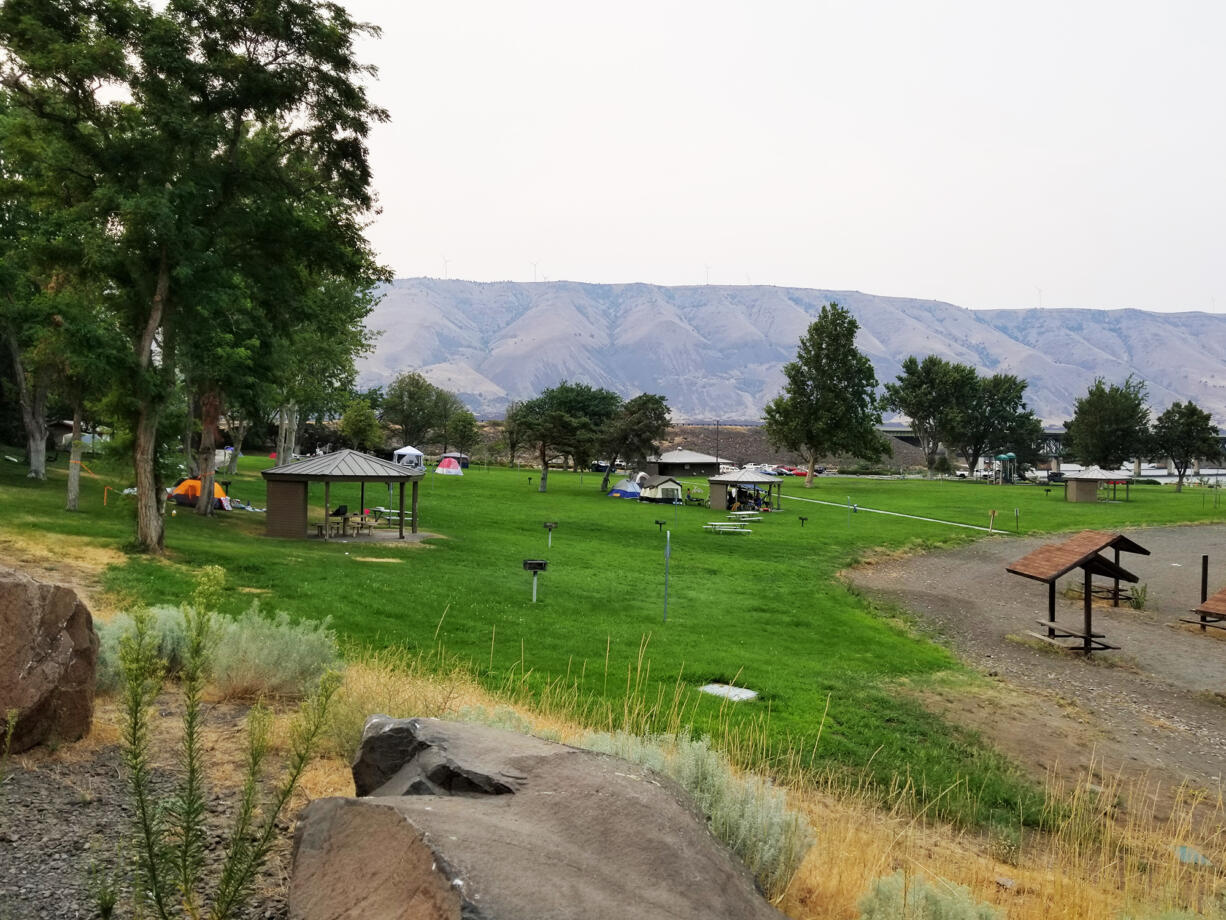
(627,488)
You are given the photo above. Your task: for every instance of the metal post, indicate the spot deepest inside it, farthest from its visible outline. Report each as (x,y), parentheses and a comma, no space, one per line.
(1204,587)
(327,507)
(1115,592)
(534,574)
(1051,609)
(668,552)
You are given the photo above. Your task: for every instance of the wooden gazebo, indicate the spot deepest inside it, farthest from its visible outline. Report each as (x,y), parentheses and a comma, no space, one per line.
(1049,563)
(287,487)
(751,478)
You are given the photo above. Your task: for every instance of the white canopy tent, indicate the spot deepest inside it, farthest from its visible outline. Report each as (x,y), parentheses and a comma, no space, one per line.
(410,457)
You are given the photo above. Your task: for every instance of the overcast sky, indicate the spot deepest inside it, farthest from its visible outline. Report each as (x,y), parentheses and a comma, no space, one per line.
(982,153)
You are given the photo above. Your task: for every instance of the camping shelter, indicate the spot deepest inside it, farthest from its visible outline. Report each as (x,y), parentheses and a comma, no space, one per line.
(287,487)
(409,456)
(449,466)
(187,492)
(662,489)
(626,488)
(458,457)
(750,479)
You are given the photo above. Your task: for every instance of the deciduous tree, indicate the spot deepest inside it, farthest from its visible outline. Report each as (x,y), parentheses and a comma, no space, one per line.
(829,403)
(634,432)
(931,393)
(992,416)
(1185,433)
(1110,424)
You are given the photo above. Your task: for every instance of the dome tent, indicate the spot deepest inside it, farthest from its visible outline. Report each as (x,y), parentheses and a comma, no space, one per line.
(187,492)
(449,467)
(627,488)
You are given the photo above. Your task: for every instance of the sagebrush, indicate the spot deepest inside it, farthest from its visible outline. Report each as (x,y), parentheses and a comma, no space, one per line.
(903,897)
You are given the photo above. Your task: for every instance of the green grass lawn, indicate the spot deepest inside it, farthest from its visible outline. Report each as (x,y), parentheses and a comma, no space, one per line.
(763,609)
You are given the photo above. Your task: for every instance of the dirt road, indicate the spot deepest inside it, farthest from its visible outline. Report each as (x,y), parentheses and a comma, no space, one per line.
(1156,707)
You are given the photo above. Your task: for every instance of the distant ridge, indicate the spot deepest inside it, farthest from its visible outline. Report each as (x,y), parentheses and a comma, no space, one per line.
(716,351)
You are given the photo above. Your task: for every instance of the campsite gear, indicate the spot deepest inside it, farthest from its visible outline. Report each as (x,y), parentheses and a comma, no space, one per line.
(410,457)
(187,492)
(627,488)
(448,466)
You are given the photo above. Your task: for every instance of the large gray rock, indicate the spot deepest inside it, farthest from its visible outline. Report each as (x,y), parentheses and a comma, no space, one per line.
(465,821)
(48,653)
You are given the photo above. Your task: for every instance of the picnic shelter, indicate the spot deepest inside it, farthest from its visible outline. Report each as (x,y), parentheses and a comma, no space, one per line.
(288,484)
(1052,561)
(752,480)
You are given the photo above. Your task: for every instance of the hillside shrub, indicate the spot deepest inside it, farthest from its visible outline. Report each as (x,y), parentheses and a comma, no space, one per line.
(899,897)
(746,812)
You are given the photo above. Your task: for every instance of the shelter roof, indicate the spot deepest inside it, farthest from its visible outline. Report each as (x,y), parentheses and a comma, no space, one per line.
(742,477)
(1215,604)
(343,466)
(1047,563)
(1098,473)
(408,449)
(684,456)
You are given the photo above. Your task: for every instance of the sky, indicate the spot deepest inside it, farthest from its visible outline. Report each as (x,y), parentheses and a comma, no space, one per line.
(988,154)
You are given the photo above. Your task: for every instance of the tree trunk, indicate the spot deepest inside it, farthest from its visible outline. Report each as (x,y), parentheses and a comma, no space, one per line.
(238,433)
(811,460)
(150,528)
(544,467)
(210,412)
(32,395)
(74,462)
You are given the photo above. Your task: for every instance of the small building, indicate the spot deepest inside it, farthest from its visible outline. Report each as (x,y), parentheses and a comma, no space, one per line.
(663,489)
(683,463)
(1083,485)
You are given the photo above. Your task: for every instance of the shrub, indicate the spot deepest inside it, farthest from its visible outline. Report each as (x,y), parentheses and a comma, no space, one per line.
(897,897)
(746,812)
(1138,596)
(251,655)
(258,656)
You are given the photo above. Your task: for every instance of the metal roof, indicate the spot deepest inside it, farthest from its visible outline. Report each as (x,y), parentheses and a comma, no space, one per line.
(343,466)
(1214,605)
(1097,473)
(684,456)
(740,477)
(1047,563)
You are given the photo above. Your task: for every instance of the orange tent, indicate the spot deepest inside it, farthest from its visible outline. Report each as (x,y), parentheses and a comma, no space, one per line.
(187,492)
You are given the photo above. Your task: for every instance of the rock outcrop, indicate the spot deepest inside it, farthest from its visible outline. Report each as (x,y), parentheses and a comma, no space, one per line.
(465,821)
(48,654)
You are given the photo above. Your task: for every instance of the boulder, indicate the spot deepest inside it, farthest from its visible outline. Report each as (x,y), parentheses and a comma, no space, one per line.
(47,660)
(464,821)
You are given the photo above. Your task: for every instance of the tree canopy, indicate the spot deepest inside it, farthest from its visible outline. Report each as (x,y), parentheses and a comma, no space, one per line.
(216,159)
(931,393)
(992,417)
(1185,433)
(567,420)
(1110,424)
(829,403)
(634,432)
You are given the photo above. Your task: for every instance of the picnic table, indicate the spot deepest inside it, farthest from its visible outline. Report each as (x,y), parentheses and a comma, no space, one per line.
(726,527)
(745,515)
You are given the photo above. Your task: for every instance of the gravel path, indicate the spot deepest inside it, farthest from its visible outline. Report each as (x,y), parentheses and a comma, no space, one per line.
(1156,707)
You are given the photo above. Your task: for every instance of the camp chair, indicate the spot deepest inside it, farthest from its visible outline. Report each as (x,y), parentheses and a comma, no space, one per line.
(339,511)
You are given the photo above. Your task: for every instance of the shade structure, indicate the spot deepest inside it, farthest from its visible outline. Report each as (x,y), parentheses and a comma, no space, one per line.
(409,456)
(287,487)
(719,496)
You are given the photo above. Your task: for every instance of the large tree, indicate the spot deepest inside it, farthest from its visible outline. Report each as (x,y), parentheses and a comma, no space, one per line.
(409,403)
(224,146)
(992,416)
(634,432)
(1185,433)
(1110,424)
(829,403)
(930,393)
(566,421)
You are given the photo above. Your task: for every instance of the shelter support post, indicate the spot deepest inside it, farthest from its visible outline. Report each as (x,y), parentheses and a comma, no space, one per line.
(414,506)
(1088,607)
(402,510)
(1115,594)
(1051,608)
(362,507)
(327,506)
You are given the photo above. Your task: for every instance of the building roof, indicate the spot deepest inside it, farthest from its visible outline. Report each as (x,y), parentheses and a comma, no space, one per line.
(684,456)
(1215,604)
(1047,563)
(742,477)
(343,466)
(1097,473)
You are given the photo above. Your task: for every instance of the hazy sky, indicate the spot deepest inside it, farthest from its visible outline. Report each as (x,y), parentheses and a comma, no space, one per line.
(974,152)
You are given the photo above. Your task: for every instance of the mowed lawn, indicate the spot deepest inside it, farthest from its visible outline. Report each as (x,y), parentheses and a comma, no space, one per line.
(764,609)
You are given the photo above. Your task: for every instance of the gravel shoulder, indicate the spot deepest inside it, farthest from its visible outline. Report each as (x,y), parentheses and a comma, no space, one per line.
(1154,710)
